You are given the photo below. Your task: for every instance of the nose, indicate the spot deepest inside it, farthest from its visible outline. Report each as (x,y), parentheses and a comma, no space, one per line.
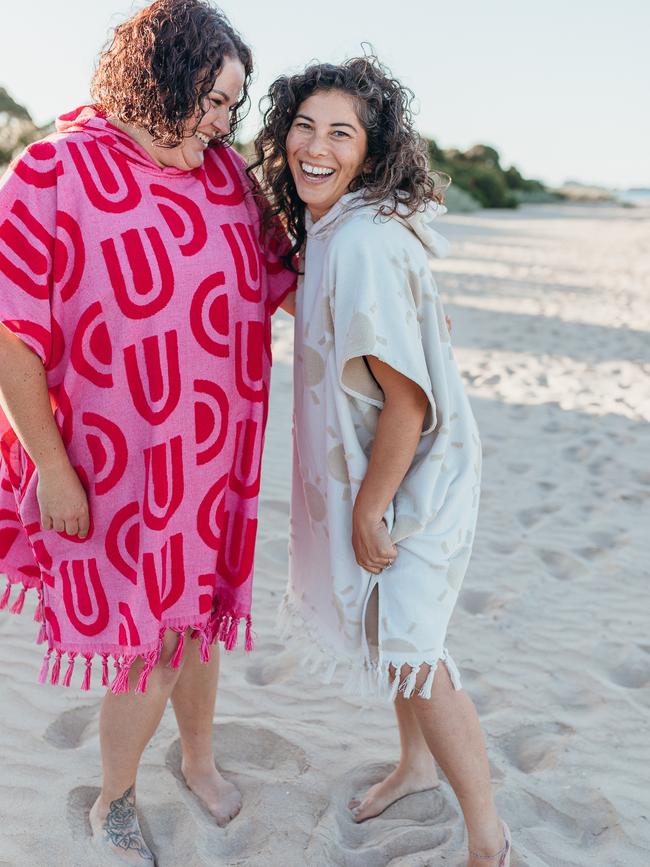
(317,145)
(222,122)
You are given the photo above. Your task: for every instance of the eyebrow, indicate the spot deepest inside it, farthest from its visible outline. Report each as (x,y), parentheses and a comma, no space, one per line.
(221,93)
(338,123)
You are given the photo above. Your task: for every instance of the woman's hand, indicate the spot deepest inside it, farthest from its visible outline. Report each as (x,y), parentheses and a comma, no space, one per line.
(62,500)
(373,547)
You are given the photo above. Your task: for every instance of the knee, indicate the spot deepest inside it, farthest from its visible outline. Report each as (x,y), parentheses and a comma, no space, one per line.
(171,655)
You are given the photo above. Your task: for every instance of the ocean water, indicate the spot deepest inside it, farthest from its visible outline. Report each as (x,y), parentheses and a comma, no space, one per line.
(641,198)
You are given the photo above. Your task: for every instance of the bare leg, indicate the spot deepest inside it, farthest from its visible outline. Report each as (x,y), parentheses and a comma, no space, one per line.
(450,726)
(126,725)
(415,772)
(193,699)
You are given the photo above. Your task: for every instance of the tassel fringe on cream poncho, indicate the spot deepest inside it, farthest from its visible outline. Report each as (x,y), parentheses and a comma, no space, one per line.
(368,290)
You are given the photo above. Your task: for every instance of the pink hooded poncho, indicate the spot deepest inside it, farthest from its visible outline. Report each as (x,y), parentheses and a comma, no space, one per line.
(146,295)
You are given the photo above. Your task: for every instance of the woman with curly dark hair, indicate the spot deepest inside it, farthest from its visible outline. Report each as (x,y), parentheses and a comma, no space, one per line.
(387,457)
(135,305)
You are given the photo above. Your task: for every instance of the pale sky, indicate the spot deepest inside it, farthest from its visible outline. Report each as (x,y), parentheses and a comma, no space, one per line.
(557,86)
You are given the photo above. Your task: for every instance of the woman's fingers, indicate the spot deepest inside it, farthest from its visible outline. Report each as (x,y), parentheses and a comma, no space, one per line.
(84,525)
(378,562)
(71,526)
(58,524)
(46,522)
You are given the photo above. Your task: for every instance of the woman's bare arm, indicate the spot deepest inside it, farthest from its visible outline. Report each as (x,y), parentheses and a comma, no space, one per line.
(26,402)
(289,303)
(396,439)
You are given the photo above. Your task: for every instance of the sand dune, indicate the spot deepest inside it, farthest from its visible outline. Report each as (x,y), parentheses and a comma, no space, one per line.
(551,317)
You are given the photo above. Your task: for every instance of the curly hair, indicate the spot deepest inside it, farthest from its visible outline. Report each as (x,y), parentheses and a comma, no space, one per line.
(161,63)
(397,166)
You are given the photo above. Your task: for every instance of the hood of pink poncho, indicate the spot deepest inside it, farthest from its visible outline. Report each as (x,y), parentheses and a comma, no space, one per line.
(92,120)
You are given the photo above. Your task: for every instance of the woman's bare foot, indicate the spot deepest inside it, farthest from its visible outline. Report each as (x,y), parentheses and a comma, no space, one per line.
(221,798)
(116,829)
(398,784)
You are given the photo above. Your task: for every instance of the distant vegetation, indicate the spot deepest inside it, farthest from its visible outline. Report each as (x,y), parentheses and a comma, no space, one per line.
(17,129)
(478,172)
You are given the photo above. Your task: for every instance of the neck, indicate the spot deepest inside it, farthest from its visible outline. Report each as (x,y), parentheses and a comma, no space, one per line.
(141,136)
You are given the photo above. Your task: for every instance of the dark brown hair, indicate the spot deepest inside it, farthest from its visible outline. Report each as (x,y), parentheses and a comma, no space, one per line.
(161,64)
(397,166)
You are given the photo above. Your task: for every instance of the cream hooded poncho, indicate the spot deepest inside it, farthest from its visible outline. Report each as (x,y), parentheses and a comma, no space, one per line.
(368,290)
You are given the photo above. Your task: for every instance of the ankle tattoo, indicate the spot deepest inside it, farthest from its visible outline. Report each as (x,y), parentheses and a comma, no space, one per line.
(121,826)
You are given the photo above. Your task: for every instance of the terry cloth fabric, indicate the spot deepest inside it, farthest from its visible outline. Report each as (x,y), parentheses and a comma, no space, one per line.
(368,290)
(145,293)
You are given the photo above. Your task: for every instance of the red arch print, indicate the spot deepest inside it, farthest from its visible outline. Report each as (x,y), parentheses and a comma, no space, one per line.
(210,419)
(109,188)
(83,596)
(69,255)
(123,541)
(210,317)
(164,485)
(184,218)
(38,167)
(108,449)
(91,352)
(26,251)
(147,285)
(244,248)
(164,576)
(235,558)
(209,519)
(156,390)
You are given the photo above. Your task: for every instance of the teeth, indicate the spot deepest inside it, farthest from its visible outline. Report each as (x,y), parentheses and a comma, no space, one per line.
(202,138)
(316,170)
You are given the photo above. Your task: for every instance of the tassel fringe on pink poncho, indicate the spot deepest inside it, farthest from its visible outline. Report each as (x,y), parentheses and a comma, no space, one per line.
(146,295)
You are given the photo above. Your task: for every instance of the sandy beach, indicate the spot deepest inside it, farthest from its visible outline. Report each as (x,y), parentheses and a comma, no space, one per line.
(551,328)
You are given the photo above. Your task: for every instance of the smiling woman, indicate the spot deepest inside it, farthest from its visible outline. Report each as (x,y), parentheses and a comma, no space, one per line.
(135,294)
(387,458)
(356,113)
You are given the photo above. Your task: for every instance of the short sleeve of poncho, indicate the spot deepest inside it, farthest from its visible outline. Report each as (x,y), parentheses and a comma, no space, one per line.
(374,302)
(28,227)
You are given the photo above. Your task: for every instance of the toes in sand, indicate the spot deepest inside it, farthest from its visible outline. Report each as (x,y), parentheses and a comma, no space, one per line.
(221,798)
(397,785)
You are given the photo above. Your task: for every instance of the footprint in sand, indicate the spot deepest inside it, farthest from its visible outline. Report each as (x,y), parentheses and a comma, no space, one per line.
(69,730)
(590,552)
(277,665)
(633,672)
(533,515)
(487,697)
(425,824)
(502,547)
(243,749)
(80,800)
(607,539)
(518,469)
(561,565)
(271,772)
(533,748)
(480,601)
